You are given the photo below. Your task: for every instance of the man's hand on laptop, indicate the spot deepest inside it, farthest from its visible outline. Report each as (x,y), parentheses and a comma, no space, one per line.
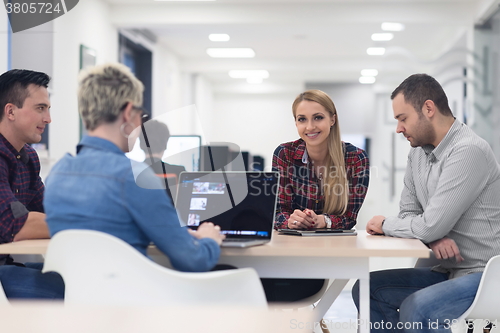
(208,230)
(446,248)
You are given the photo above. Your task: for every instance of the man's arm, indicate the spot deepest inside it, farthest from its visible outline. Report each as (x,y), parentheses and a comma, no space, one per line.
(35,227)
(27,209)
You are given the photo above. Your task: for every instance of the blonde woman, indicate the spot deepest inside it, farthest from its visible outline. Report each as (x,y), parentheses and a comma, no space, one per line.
(323,180)
(323,183)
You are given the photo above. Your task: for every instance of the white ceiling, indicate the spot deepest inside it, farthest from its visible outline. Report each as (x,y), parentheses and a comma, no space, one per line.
(303,40)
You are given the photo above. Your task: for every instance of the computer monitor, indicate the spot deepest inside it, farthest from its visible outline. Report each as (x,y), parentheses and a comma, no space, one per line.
(184,150)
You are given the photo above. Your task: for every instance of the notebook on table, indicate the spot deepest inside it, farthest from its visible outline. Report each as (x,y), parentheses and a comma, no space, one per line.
(243,204)
(318,232)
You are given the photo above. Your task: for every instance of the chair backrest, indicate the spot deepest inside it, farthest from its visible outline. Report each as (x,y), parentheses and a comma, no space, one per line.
(486,304)
(99,268)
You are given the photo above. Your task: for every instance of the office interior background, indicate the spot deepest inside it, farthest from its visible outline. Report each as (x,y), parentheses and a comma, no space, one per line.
(302,44)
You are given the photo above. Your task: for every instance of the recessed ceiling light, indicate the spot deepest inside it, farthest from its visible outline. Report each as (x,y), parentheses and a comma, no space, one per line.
(219,37)
(393,26)
(375,50)
(367,79)
(255,80)
(369,72)
(243,74)
(384,36)
(230,52)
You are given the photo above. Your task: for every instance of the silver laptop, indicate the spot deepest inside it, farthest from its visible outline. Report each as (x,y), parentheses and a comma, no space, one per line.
(243,204)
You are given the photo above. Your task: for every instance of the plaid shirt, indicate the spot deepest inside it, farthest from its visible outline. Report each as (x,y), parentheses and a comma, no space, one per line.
(21,188)
(300,188)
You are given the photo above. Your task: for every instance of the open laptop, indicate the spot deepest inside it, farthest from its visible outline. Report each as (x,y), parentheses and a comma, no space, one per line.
(243,204)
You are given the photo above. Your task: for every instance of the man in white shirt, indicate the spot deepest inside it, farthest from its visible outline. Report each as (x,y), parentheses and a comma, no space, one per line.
(450,201)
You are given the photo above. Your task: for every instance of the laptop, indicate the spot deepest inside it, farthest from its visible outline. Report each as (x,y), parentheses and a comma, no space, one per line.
(243,204)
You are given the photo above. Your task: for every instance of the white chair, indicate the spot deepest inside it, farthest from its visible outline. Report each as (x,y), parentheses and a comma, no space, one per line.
(3,298)
(307,302)
(98,268)
(486,304)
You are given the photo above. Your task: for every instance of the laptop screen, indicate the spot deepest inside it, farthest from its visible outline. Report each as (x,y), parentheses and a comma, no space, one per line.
(243,204)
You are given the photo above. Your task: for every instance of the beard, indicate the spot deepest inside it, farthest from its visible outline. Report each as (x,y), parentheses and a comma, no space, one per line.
(424,133)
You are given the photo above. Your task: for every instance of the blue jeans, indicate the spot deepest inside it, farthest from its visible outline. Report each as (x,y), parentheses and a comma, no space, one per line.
(427,301)
(30,283)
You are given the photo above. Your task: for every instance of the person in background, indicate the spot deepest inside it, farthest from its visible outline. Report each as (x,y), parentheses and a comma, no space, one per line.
(153,141)
(323,182)
(450,201)
(24,115)
(96,188)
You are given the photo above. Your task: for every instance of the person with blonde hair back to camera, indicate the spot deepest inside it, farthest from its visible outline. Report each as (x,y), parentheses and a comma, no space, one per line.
(96,189)
(323,182)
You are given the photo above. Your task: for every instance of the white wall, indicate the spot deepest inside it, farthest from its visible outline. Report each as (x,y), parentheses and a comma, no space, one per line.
(485,107)
(37,38)
(168,81)
(4,26)
(355,104)
(87,24)
(203,97)
(257,123)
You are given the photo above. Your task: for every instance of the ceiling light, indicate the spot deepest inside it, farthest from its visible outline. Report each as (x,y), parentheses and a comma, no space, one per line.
(369,72)
(392,26)
(255,80)
(384,36)
(367,79)
(375,50)
(243,74)
(219,37)
(231,52)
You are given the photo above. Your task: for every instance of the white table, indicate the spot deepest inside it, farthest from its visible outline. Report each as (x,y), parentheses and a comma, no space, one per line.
(54,317)
(338,258)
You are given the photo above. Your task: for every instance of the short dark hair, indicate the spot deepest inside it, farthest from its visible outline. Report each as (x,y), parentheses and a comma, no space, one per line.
(418,88)
(14,86)
(157,134)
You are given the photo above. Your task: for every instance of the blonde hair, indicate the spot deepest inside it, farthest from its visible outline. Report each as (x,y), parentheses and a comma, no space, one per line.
(335,203)
(104,91)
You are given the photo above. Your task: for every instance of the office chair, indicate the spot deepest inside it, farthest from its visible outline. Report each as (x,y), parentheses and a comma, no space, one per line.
(100,269)
(307,302)
(486,304)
